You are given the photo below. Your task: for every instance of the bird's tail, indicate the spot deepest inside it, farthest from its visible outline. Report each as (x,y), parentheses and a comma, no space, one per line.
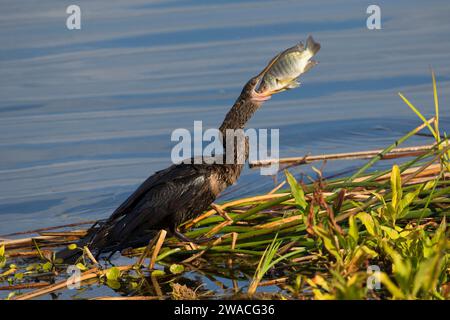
(312,46)
(70,256)
(101,238)
(91,240)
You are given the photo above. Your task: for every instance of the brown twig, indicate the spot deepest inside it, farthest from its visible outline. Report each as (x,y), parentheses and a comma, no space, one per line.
(395,153)
(127,298)
(159,243)
(22,286)
(49,228)
(90,274)
(278,187)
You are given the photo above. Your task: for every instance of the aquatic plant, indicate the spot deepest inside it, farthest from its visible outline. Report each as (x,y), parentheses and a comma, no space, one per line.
(379,234)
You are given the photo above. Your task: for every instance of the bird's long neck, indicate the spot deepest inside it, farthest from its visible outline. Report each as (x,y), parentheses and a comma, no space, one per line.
(241,112)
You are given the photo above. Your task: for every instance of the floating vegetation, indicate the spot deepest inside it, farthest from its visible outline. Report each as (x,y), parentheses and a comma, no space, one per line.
(371,235)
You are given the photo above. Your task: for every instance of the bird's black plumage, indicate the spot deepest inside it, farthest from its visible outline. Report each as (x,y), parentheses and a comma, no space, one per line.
(170,196)
(163,201)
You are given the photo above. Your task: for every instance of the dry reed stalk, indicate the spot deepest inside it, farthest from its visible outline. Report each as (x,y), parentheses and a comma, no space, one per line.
(158,245)
(234,236)
(199,254)
(273,282)
(126,298)
(221,212)
(234,203)
(432,169)
(217,228)
(19,243)
(92,273)
(157,287)
(278,187)
(146,251)
(89,274)
(49,228)
(23,286)
(395,153)
(74,233)
(90,255)
(305,258)
(27,254)
(279,223)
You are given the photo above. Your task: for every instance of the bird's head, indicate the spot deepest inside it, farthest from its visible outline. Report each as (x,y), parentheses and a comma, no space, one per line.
(250,89)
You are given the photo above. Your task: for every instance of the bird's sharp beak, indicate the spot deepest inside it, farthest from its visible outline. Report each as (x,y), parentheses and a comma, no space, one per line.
(265,94)
(260,96)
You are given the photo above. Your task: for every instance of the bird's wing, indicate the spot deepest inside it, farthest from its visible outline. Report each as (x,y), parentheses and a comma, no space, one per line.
(173,191)
(158,178)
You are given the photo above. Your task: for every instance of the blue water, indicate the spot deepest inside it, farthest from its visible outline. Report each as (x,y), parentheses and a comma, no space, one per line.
(86,115)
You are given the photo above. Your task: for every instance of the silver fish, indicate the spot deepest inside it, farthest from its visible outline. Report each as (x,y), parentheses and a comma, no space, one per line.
(286,67)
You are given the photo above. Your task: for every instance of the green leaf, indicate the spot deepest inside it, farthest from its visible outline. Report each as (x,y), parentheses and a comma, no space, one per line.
(429,185)
(417,112)
(369,252)
(404,203)
(391,233)
(328,242)
(401,267)
(396,185)
(353,229)
(10,295)
(436,108)
(47,266)
(113,274)
(2,257)
(430,269)
(81,266)
(158,273)
(427,274)
(113,284)
(392,288)
(176,268)
(440,232)
(296,190)
(368,222)
(18,276)
(31,267)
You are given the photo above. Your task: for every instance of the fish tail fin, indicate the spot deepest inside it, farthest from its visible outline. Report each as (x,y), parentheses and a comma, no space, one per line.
(312,46)
(309,65)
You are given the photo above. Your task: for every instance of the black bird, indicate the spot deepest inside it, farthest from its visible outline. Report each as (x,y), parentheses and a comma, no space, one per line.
(181,192)
(171,196)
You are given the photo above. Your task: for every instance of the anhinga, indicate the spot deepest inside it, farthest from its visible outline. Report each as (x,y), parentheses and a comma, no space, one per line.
(178,193)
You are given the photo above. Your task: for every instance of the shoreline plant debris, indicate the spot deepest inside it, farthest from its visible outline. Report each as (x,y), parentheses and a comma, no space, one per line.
(372,235)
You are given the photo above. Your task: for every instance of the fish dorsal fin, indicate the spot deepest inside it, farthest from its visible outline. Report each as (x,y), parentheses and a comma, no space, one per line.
(297,48)
(300,46)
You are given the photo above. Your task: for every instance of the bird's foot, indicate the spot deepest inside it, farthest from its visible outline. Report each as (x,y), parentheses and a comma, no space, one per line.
(184,238)
(205,239)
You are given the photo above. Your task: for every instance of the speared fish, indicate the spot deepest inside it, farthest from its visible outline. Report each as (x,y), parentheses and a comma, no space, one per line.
(285,69)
